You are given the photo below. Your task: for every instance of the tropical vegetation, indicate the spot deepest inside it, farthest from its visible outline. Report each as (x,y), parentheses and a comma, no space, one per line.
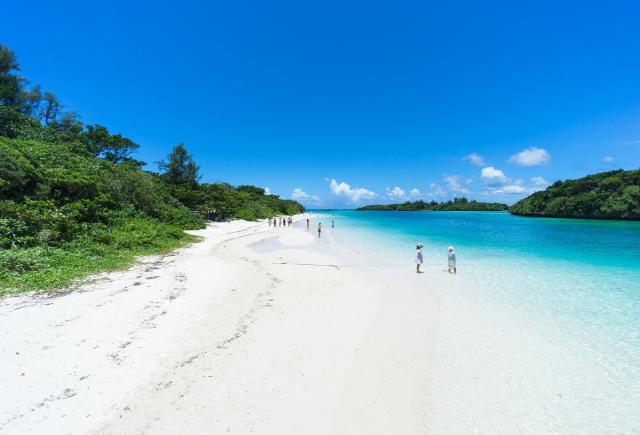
(74,200)
(457,204)
(606,195)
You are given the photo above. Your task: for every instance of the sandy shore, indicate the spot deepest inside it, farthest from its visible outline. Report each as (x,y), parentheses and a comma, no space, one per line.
(254,329)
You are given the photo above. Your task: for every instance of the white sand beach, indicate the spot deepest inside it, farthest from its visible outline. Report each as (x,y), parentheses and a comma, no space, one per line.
(253,329)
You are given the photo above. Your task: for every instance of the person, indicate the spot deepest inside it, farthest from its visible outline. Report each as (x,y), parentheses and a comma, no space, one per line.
(319,228)
(452,260)
(307,223)
(290,221)
(333,224)
(419,257)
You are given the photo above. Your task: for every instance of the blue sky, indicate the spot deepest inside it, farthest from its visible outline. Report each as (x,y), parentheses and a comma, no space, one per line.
(344,103)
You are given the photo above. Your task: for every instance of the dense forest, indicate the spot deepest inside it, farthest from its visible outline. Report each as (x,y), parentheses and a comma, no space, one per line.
(607,195)
(74,200)
(457,204)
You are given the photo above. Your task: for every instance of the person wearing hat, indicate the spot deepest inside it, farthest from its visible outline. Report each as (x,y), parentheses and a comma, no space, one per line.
(452,260)
(419,257)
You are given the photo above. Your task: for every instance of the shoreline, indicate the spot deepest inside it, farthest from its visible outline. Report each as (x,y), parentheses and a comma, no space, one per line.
(213,336)
(273,330)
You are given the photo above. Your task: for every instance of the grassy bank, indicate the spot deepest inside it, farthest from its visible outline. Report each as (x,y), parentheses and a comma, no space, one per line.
(45,267)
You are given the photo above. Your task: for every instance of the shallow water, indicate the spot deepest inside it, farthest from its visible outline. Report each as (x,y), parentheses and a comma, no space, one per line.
(540,329)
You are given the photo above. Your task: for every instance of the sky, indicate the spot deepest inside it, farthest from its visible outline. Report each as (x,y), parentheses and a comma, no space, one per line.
(340,104)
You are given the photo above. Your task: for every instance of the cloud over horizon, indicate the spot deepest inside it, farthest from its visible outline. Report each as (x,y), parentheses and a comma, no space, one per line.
(395,193)
(353,194)
(531,156)
(299,194)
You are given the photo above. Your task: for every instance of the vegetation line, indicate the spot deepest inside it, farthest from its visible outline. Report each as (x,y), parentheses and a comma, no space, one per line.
(457,204)
(74,201)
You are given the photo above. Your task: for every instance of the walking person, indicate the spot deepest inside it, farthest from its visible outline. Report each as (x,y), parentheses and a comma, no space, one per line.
(419,257)
(307,223)
(319,228)
(451,260)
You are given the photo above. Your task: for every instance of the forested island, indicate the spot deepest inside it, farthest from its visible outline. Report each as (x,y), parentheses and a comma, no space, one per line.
(606,195)
(74,200)
(457,204)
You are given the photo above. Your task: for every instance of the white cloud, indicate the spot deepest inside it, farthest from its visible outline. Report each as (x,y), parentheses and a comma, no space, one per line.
(475,159)
(493,177)
(517,187)
(511,189)
(531,157)
(415,192)
(455,183)
(395,193)
(608,159)
(354,194)
(299,194)
(267,191)
(436,191)
(539,181)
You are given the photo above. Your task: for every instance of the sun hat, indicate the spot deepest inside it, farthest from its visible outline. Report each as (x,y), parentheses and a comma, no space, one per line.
(420,245)
(450,248)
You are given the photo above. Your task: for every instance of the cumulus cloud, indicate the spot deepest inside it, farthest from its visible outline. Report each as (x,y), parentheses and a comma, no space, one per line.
(608,159)
(532,156)
(267,191)
(511,189)
(493,177)
(475,159)
(436,191)
(354,194)
(539,182)
(299,194)
(457,183)
(415,192)
(395,193)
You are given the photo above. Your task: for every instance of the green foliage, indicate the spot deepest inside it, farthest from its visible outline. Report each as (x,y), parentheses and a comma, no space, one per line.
(458,204)
(113,147)
(180,168)
(73,201)
(101,248)
(607,195)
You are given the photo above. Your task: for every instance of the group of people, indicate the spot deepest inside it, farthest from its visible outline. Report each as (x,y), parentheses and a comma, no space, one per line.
(333,225)
(280,222)
(451,258)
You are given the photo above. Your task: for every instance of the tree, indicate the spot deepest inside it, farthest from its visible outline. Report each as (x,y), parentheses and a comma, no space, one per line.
(68,128)
(180,168)
(113,147)
(49,112)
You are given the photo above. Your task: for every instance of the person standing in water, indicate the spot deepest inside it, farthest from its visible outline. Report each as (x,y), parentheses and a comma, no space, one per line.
(419,257)
(333,224)
(319,228)
(452,260)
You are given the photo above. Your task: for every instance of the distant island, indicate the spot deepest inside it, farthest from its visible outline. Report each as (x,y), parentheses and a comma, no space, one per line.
(606,195)
(458,204)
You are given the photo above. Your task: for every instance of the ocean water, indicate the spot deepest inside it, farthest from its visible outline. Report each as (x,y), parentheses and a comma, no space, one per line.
(539,332)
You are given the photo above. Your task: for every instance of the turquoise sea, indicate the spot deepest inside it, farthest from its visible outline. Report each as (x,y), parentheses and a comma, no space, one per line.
(540,330)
